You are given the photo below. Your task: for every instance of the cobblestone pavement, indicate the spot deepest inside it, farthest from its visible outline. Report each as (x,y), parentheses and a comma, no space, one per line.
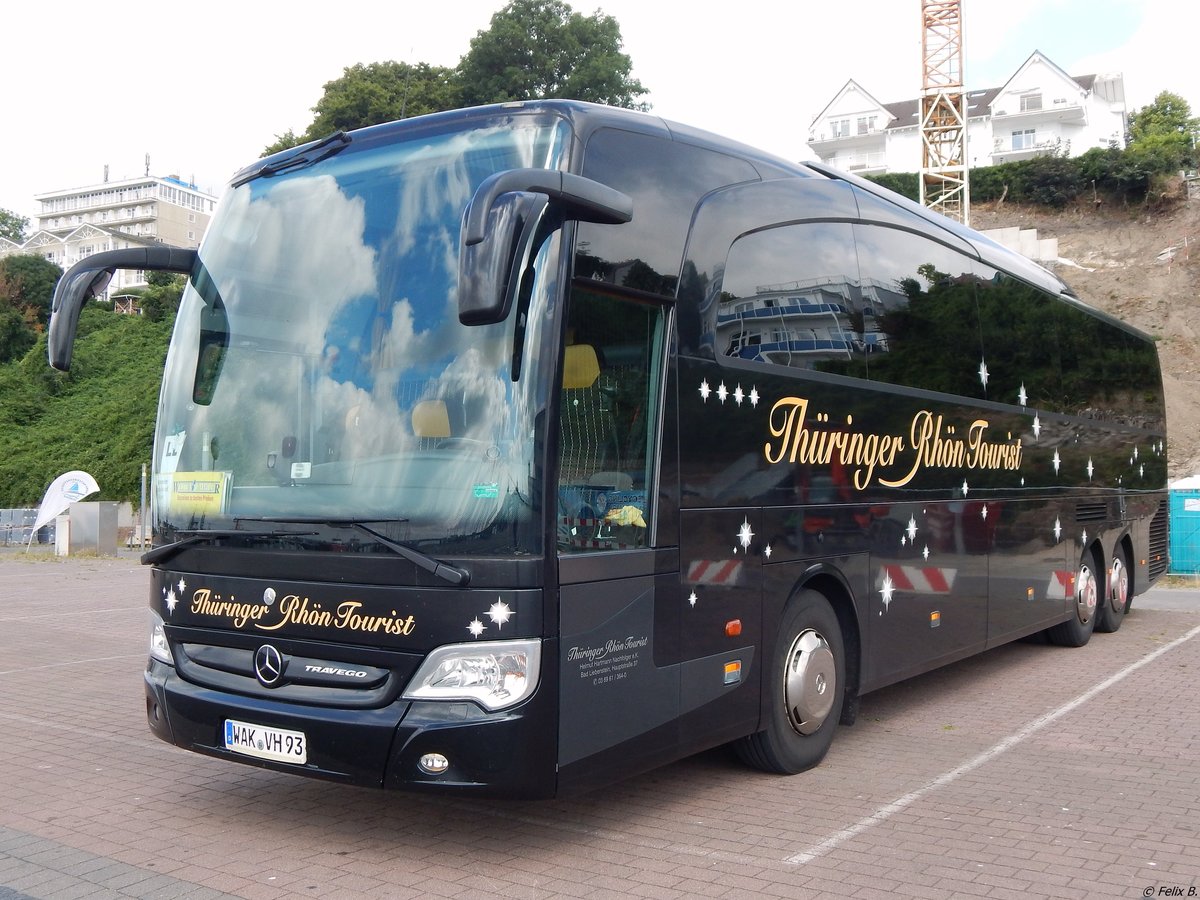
(1027,771)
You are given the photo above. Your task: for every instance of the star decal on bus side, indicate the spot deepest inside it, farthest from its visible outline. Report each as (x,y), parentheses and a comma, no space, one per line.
(745,535)
(1037,427)
(722,392)
(172,600)
(887,590)
(925,553)
(476,627)
(1057,529)
(705,390)
(1057,462)
(692,598)
(738,396)
(754,397)
(1021,395)
(983,373)
(1090,468)
(499,613)
(912,528)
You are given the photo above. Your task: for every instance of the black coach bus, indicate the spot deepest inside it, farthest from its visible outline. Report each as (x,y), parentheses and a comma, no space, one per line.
(519,449)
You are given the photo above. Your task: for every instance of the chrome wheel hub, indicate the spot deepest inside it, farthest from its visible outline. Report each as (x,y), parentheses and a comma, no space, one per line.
(1119,586)
(1085,594)
(810,682)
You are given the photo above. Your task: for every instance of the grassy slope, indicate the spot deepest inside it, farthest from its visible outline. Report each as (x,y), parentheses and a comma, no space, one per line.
(99,417)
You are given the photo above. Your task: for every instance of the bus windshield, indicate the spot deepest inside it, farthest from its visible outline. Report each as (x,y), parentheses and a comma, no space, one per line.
(318,369)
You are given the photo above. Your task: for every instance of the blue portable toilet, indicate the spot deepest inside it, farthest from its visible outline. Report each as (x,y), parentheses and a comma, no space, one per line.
(1185,526)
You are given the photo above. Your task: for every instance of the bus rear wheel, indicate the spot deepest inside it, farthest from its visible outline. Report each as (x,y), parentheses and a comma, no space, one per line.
(1111,611)
(1077,630)
(806,682)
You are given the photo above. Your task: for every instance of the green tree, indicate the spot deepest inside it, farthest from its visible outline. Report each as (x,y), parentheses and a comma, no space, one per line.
(533,49)
(382,92)
(1165,130)
(15,336)
(374,93)
(538,49)
(285,141)
(161,296)
(26,286)
(12,226)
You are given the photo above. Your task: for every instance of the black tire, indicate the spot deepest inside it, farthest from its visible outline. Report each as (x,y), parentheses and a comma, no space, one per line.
(806,689)
(1077,630)
(1111,613)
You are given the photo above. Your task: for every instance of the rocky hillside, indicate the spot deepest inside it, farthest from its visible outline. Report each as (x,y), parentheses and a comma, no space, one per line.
(1143,265)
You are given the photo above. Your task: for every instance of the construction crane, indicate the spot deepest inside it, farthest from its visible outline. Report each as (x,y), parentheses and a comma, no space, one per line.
(944,180)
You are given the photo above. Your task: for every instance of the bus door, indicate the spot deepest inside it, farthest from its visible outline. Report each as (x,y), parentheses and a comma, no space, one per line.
(618,622)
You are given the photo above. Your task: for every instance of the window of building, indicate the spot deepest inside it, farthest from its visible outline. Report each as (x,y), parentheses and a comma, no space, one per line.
(1030,102)
(840,127)
(1024,140)
(866,124)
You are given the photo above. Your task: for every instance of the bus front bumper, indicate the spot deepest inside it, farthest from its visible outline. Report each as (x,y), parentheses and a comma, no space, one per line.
(422,745)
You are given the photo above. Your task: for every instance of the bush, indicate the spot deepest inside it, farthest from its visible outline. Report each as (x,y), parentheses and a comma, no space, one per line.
(1127,175)
(907,184)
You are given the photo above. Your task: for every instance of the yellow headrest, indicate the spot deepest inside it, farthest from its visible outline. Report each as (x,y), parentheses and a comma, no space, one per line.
(581,367)
(430,419)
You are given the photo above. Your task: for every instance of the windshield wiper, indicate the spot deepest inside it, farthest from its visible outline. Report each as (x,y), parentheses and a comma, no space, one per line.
(457,576)
(196,536)
(306,156)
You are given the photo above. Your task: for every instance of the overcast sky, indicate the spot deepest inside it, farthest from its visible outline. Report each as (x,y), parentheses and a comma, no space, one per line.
(204,87)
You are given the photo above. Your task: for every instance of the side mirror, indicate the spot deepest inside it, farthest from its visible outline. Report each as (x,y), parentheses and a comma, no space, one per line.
(488,271)
(499,225)
(89,277)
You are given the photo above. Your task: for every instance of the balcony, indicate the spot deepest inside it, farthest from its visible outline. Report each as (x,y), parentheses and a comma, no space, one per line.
(870,163)
(1068,110)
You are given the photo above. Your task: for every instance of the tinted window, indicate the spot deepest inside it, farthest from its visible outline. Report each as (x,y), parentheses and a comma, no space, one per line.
(666,180)
(1107,372)
(921,325)
(790,297)
(1020,325)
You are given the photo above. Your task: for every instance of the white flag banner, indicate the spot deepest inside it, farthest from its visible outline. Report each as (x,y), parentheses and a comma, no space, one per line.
(65,490)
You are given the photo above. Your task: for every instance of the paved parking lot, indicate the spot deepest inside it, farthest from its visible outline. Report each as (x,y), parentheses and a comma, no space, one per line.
(1028,771)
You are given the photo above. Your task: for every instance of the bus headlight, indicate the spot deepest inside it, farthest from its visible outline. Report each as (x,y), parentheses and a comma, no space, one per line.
(159,648)
(495,675)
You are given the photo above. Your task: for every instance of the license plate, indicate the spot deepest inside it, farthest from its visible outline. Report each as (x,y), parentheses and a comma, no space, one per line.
(276,744)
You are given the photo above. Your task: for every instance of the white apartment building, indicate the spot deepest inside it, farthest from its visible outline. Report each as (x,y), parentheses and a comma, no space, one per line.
(1039,110)
(73,224)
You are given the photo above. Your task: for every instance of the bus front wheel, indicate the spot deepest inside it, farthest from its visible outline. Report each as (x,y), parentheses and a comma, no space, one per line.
(807,685)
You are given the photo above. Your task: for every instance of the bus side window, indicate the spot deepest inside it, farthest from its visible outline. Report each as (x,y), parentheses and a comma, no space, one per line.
(606,420)
(923,296)
(790,297)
